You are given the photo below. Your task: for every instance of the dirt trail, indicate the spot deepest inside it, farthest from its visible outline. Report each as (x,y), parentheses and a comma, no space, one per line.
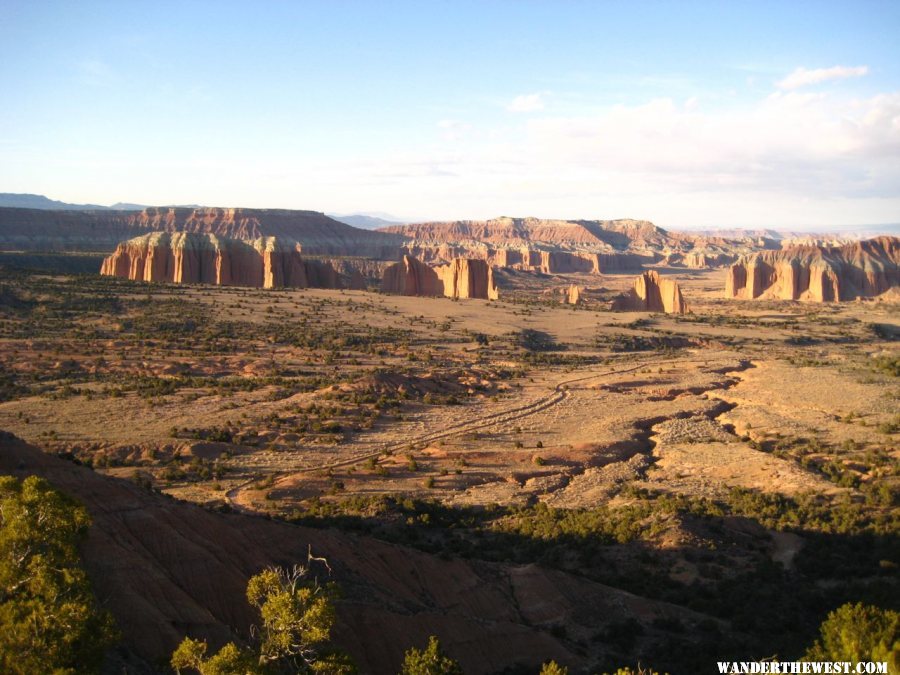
(559,393)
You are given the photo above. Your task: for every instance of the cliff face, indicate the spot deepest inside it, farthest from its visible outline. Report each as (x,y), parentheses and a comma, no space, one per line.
(547,246)
(411,276)
(533,259)
(183,257)
(317,234)
(817,273)
(588,234)
(568,246)
(462,278)
(651,293)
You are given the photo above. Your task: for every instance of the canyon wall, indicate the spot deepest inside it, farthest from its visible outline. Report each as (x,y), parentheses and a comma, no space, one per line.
(461,278)
(652,293)
(183,257)
(817,273)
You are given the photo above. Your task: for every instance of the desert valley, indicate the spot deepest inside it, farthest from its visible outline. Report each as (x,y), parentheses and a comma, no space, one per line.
(593,442)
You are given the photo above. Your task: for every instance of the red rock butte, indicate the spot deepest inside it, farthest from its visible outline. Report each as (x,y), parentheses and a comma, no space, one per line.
(863,269)
(183,257)
(462,278)
(651,293)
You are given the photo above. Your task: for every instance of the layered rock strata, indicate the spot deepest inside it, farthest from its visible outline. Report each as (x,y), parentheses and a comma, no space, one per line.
(316,233)
(461,278)
(652,293)
(816,273)
(609,234)
(185,258)
(706,259)
(533,259)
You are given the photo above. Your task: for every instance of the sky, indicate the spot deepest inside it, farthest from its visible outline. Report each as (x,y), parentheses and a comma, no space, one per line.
(689,114)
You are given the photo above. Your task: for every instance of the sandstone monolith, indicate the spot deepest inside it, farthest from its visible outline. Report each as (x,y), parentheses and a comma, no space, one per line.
(652,293)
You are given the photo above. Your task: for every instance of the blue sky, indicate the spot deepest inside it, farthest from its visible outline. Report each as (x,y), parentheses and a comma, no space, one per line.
(688,114)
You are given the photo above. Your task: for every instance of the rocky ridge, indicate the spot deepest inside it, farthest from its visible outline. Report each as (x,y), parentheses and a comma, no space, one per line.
(564,246)
(863,269)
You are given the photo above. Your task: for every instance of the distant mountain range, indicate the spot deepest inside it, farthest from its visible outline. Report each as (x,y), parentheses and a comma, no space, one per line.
(30,201)
(801,232)
(367,221)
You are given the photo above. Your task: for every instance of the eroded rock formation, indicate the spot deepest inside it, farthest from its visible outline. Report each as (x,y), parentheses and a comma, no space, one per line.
(598,234)
(534,259)
(563,247)
(461,278)
(183,257)
(465,278)
(652,293)
(411,276)
(816,273)
(704,259)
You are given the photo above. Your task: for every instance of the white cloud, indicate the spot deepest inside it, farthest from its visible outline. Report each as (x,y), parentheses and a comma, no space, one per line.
(802,77)
(805,143)
(786,159)
(453,130)
(526,103)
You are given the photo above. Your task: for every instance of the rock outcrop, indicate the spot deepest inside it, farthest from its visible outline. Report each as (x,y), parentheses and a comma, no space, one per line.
(465,278)
(816,273)
(411,276)
(573,295)
(184,258)
(705,259)
(652,293)
(462,278)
